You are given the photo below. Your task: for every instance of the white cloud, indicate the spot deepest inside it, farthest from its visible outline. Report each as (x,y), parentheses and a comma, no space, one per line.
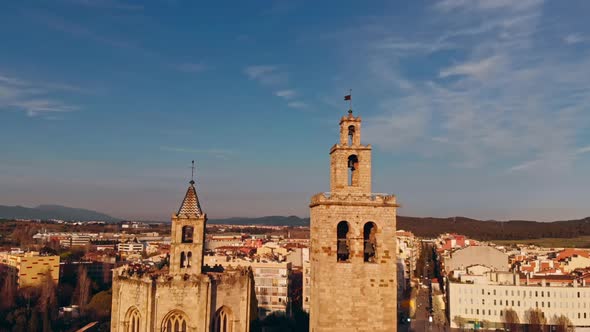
(287,94)
(575,39)
(33,99)
(510,101)
(259,71)
(478,69)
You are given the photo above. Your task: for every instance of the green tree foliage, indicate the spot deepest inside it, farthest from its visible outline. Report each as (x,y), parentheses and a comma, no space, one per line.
(100,305)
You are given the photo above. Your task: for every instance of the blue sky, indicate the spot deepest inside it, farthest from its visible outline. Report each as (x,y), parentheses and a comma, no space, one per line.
(474,108)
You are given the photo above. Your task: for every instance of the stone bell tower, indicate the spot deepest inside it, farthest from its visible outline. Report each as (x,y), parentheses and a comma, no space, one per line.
(353,245)
(188,235)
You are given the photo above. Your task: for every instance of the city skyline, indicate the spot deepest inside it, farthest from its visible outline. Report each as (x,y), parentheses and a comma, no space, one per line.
(474,108)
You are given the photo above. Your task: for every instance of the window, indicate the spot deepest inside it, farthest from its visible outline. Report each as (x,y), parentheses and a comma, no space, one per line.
(578,294)
(351,135)
(182,260)
(482,292)
(494,301)
(132,320)
(342,245)
(370,241)
(494,292)
(175,322)
(483,301)
(353,166)
(189,258)
(187,234)
(223,320)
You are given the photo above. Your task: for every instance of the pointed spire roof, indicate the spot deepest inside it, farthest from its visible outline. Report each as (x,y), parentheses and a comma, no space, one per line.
(190,205)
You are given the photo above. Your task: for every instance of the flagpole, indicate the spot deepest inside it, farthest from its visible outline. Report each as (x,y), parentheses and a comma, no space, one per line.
(350,101)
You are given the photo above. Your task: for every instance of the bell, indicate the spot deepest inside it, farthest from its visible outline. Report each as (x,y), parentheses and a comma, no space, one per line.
(342,247)
(369,248)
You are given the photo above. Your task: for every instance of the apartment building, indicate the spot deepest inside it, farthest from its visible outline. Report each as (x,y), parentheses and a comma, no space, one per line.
(272,281)
(30,268)
(484,300)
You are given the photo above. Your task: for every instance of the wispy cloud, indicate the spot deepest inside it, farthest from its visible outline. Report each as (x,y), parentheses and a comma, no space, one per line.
(479,68)
(287,94)
(266,74)
(575,38)
(502,98)
(34,99)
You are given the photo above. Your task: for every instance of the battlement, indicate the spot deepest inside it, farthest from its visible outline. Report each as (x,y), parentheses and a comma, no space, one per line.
(353,198)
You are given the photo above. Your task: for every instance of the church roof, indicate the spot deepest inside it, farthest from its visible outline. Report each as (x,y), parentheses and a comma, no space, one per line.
(190,204)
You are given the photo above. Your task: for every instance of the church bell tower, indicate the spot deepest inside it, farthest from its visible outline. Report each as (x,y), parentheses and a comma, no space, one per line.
(353,244)
(188,235)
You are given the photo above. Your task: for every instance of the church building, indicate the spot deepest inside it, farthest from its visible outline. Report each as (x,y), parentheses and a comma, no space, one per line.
(183,297)
(353,244)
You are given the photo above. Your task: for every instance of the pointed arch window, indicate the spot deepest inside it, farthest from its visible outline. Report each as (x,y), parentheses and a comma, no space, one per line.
(353,165)
(223,320)
(189,258)
(132,320)
(342,243)
(175,322)
(370,242)
(187,234)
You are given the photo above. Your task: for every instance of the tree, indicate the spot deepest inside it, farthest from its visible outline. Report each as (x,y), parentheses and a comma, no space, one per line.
(511,320)
(8,292)
(536,320)
(563,324)
(100,305)
(48,301)
(439,316)
(82,292)
(460,322)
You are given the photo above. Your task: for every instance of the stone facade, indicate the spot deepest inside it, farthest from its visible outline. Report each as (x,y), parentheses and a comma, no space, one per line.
(183,297)
(353,244)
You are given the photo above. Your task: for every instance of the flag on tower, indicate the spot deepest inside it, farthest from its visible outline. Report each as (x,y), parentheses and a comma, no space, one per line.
(347,97)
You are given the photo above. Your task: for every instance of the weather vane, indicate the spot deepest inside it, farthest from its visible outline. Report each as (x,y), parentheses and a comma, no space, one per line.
(193,172)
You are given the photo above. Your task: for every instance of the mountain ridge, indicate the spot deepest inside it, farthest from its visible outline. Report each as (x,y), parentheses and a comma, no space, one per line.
(53,211)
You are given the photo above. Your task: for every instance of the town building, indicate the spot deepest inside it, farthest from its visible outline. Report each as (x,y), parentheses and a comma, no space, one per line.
(30,268)
(482,301)
(353,246)
(130,246)
(184,296)
(272,281)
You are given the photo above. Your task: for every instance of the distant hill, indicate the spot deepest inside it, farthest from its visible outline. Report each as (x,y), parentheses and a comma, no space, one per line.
(267,221)
(431,227)
(46,212)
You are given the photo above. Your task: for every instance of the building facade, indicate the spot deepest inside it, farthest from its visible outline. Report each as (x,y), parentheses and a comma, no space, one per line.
(353,244)
(272,280)
(184,297)
(477,304)
(31,268)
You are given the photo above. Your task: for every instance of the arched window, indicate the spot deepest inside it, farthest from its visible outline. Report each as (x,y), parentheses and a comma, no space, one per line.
(187,234)
(175,322)
(182,260)
(350,135)
(353,164)
(132,320)
(342,245)
(189,258)
(370,241)
(223,320)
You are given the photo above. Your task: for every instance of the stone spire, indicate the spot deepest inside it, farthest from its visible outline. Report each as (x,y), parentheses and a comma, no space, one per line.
(190,206)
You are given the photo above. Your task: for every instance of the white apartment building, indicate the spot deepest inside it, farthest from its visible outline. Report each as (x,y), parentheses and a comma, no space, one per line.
(130,246)
(305,302)
(480,300)
(271,279)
